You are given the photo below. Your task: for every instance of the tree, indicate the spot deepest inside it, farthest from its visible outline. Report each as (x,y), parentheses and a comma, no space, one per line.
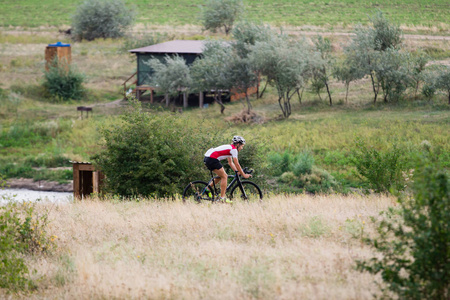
(101,19)
(419,60)
(392,73)
(345,73)
(363,53)
(172,76)
(241,76)
(322,66)
(221,13)
(245,35)
(210,72)
(285,65)
(443,81)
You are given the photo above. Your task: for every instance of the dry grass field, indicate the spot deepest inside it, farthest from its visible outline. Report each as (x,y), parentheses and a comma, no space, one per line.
(300,247)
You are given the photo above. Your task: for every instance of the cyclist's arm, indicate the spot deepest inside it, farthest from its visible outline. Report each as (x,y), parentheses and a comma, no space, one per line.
(237,167)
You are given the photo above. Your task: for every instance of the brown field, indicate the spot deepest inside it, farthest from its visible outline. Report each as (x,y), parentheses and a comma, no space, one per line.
(301,247)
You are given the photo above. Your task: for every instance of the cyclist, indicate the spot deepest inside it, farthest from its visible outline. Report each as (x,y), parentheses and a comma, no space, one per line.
(212,161)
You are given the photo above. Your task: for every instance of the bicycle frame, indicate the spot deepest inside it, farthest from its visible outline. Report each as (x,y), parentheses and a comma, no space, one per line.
(236,179)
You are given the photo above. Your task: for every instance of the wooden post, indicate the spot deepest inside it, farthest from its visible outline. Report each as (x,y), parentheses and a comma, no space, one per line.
(151,96)
(76,182)
(185,100)
(167,99)
(200,102)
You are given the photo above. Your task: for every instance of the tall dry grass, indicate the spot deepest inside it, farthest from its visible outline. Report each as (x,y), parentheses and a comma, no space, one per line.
(300,247)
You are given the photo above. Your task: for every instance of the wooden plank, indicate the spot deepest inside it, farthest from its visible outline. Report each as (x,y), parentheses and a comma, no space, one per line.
(86,167)
(76,183)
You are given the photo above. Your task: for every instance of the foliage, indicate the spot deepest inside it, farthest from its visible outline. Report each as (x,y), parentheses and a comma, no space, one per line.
(386,34)
(152,154)
(285,64)
(22,231)
(246,34)
(366,53)
(414,239)
(392,72)
(171,76)
(240,76)
(382,170)
(63,81)
(101,19)
(322,66)
(221,13)
(443,81)
(299,171)
(209,73)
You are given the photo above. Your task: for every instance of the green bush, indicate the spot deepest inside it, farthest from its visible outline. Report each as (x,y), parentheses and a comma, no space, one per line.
(23,231)
(298,173)
(101,19)
(280,162)
(303,164)
(414,239)
(153,154)
(63,81)
(382,170)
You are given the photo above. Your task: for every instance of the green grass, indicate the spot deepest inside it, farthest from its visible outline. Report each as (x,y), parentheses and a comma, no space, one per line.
(328,13)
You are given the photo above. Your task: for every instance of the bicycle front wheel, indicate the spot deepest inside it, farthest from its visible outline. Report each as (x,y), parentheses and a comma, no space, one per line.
(252,192)
(197,191)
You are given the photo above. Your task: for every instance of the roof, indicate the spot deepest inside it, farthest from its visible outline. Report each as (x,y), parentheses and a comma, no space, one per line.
(176,46)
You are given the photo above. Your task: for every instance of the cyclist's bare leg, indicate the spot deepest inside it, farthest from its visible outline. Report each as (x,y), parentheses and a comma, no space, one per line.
(223,181)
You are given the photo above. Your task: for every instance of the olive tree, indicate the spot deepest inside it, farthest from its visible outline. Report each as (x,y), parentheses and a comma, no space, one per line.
(245,35)
(171,76)
(101,19)
(363,53)
(210,72)
(241,76)
(285,65)
(443,81)
(392,73)
(322,66)
(221,13)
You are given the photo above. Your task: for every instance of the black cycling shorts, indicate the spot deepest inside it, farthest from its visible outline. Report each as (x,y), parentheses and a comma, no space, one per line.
(212,163)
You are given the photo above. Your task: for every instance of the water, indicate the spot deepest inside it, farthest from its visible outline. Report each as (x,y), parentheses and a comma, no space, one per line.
(29,195)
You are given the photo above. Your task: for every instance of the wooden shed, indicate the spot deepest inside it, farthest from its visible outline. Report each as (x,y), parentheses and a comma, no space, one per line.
(59,50)
(86,179)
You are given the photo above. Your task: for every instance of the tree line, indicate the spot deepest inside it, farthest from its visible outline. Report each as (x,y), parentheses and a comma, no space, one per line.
(259,54)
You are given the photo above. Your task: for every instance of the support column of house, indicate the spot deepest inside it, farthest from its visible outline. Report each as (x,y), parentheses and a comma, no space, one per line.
(200,96)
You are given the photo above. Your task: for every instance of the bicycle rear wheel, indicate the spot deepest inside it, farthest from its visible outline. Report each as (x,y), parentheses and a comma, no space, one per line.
(252,192)
(198,191)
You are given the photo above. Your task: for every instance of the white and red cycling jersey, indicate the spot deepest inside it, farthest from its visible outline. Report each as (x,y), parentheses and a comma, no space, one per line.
(222,152)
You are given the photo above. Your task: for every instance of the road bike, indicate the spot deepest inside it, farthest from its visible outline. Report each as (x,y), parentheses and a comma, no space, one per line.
(237,189)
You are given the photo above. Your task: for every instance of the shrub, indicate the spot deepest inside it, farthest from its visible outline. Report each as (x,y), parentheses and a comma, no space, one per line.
(414,240)
(382,170)
(153,154)
(22,231)
(303,164)
(101,19)
(300,173)
(280,163)
(63,81)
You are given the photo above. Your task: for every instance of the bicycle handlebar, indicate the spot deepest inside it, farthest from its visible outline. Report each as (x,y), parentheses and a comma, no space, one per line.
(246,171)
